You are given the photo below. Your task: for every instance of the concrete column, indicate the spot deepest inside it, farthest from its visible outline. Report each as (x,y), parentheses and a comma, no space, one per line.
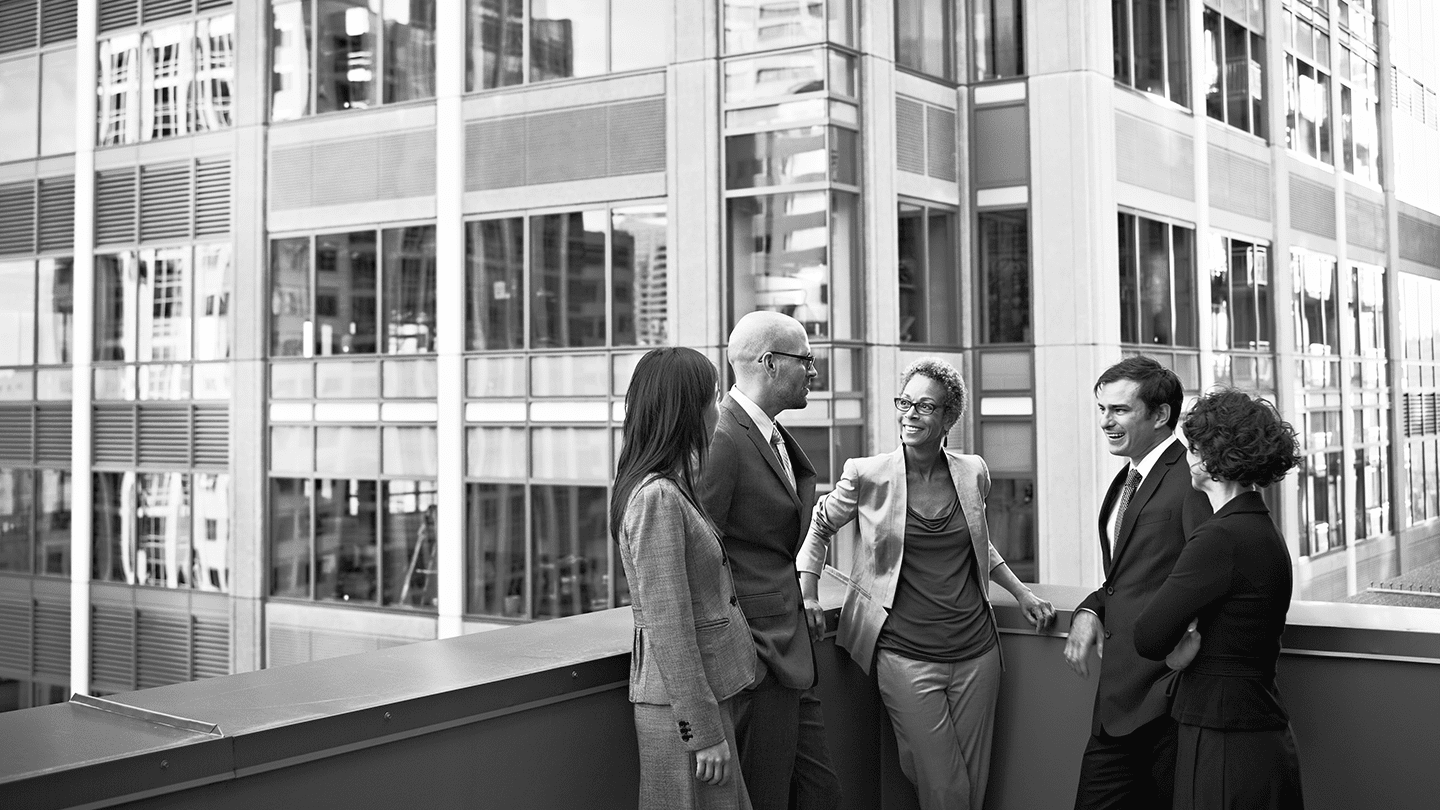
(881,248)
(81,485)
(1073,235)
(450,313)
(693,144)
(250,305)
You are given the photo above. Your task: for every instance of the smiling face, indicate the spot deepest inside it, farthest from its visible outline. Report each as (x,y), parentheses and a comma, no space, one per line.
(1199,476)
(1131,431)
(923,430)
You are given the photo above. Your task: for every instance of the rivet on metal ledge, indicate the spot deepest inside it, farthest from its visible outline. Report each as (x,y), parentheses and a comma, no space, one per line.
(164,764)
(574,674)
(387,715)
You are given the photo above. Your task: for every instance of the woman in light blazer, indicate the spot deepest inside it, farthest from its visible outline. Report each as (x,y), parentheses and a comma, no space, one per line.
(918,603)
(692,650)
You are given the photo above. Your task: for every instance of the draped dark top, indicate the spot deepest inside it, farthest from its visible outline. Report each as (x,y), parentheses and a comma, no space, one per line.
(1234,575)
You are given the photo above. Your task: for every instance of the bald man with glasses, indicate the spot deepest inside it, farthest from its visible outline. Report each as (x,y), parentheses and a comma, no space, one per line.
(759,487)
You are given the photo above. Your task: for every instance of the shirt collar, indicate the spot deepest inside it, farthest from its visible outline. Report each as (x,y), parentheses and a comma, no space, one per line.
(1153,457)
(763,423)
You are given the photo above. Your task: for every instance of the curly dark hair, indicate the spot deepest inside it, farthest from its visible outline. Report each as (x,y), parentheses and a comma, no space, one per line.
(1241,438)
(944,373)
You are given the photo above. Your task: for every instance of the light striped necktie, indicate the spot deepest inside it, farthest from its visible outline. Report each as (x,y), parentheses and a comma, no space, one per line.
(1132,483)
(779,444)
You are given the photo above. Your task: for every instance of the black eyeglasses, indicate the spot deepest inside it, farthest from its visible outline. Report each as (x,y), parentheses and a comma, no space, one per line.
(923,408)
(807,359)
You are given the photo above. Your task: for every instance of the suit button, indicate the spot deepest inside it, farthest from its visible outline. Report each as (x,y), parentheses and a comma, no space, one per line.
(1110,590)
(734,600)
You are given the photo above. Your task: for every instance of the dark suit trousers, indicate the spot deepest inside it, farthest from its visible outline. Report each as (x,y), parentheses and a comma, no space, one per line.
(781,736)
(1133,772)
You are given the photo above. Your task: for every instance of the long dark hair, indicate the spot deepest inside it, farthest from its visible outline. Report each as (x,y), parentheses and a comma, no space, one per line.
(664,424)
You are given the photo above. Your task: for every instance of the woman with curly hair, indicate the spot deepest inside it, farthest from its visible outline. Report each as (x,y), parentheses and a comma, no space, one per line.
(1219,615)
(918,602)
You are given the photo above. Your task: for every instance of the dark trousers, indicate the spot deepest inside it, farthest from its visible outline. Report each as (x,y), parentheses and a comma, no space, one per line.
(781,736)
(1132,772)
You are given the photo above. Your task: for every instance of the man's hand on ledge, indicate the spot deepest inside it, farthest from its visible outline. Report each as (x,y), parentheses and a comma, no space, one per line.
(1085,632)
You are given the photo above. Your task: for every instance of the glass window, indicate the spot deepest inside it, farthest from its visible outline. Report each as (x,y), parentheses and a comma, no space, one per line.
(347,32)
(290,59)
(1010,515)
(408,551)
(567,39)
(1004,242)
(16,503)
(345,293)
(762,25)
(1321,497)
(496,452)
(52,523)
(113,527)
(17,313)
(571,572)
(495,33)
(116,306)
(290,324)
(999,39)
(345,550)
(409,49)
(167,72)
(210,102)
(119,90)
(640,299)
(20,98)
(780,259)
(925,36)
(55,310)
(1234,71)
(409,450)
(347,449)
(775,76)
(567,275)
(779,157)
(1317,310)
(495,555)
(495,284)
(57,102)
(210,570)
(1157,285)
(213,283)
(1150,47)
(409,274)
(164,304)
(928,276)
(1240,315)
(164,553)
(290,526)
(1307,91)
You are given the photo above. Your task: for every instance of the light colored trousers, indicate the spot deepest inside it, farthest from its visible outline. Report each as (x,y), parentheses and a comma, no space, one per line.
(944,718)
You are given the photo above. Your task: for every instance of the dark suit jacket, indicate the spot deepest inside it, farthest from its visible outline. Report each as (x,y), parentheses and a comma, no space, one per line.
(1234,576)
(762,521)
(1161,514)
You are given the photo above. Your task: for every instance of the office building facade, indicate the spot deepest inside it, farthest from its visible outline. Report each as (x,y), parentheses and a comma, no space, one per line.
(317,320)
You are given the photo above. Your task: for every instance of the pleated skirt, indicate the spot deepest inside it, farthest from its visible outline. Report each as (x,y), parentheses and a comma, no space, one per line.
(1236,770)
(667,770)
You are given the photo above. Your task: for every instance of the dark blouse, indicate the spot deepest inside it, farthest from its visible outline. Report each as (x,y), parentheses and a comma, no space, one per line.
(938,614)
(1234,575)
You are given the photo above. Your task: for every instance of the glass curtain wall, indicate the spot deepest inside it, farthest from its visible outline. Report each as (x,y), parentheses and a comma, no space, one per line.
(166,81)
(39,97)
(545,386)
(36,328)
(329,55)
(1307,78)
(510,42)
(162,529)
(1151,47)
(1359,74)
(1157,292)
(999,38)
(1234,53)
(1242,324)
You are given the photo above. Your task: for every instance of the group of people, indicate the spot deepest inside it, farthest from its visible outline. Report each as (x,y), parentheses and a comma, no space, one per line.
(723,543)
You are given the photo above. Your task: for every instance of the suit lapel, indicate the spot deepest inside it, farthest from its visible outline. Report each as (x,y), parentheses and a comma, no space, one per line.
(1111,495)
(1147,489)
(972,504)
(767,450)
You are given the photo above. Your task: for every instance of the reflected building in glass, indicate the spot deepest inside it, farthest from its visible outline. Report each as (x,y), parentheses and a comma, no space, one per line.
(316,323)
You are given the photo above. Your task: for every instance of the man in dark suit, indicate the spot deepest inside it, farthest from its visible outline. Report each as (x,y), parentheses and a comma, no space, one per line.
(1148,512)
(759,488)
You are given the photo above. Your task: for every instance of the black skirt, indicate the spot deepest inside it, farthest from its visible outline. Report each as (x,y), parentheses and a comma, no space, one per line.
(1217,769)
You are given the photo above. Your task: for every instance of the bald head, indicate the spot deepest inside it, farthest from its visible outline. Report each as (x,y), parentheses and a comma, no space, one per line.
(774,382)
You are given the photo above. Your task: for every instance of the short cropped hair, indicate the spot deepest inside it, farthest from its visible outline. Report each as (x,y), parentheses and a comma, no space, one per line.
(945,374)
(1158,385)
(1241,438)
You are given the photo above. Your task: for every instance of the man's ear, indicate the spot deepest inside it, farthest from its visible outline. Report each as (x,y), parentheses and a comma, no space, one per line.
(1162,415)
